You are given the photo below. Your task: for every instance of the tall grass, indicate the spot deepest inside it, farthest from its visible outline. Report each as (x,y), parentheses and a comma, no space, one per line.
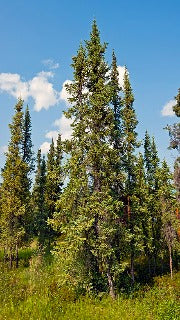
(35,293)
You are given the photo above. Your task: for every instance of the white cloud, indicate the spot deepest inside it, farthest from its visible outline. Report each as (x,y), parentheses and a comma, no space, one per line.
(50,63)
(167,110)
(64,95)
(3,149)
(39,88)
(12,84)
(52,135)
(45,147)
(121,71)
(42,91)
(64,126)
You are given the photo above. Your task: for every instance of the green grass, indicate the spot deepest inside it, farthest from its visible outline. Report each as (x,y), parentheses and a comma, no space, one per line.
(34,293)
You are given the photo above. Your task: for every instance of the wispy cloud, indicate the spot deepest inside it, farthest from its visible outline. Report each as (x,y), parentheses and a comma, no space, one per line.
(167,110)
(63,127)
(3,149)
(64,94)
(42,91)
(40,88)
(45,147)
(52,135)
(51,64)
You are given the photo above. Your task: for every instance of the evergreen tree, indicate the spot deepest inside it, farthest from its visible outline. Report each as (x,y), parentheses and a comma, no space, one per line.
(13,199)
(116,99)
(28,158)
(141,218)
(174,133)
(116,102)
(152,166)
(167,206)
(87,203)
(27,146)
(129,145)
(53,182)
(38,201)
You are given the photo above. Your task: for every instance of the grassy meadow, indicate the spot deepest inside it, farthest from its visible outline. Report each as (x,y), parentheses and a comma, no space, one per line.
(34,292)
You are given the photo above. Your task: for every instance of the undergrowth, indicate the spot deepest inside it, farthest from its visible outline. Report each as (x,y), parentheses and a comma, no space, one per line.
(34,292)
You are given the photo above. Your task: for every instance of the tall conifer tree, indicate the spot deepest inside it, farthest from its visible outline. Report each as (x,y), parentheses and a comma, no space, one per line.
(38,201)
(54,178)
(87,202)
(174,133)
(152,166)
(13,200)
(167,207)
(28,158)
(129,144)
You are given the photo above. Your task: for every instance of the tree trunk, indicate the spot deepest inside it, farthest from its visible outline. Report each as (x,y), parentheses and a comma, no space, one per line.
(4,255)
(170,261)
(17,257)
(132,267)
(10,259)
(149,265)
(111,285)
(128,208)
(154,259)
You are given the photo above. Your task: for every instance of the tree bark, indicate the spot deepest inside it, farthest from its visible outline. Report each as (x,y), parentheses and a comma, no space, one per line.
(132,267)
(4,255)
(149,265)
(170,261)
(10,259)
(111,285)
(128,208)
(17,257)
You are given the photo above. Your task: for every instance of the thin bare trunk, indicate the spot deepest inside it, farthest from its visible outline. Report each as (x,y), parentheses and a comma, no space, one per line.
(111,286)
(154,259)
(170,261)
(17,257)
(4,255)
(128,208)
(149,265)
(10,259)
(132,267)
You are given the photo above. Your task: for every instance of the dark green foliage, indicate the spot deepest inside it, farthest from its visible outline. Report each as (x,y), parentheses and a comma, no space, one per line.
(152,168)
(27,152)
(54,183)
(87,211)
(38,200)
(13,193)
(167,207)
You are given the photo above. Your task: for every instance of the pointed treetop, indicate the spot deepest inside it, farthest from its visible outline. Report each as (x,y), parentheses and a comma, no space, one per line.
(19,105)
(115,73)
(94,44)
(129,98)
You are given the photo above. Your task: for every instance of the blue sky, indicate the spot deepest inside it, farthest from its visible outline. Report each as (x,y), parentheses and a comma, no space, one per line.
(39,38)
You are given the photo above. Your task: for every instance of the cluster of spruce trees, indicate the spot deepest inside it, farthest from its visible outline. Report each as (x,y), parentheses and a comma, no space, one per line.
(104,205)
